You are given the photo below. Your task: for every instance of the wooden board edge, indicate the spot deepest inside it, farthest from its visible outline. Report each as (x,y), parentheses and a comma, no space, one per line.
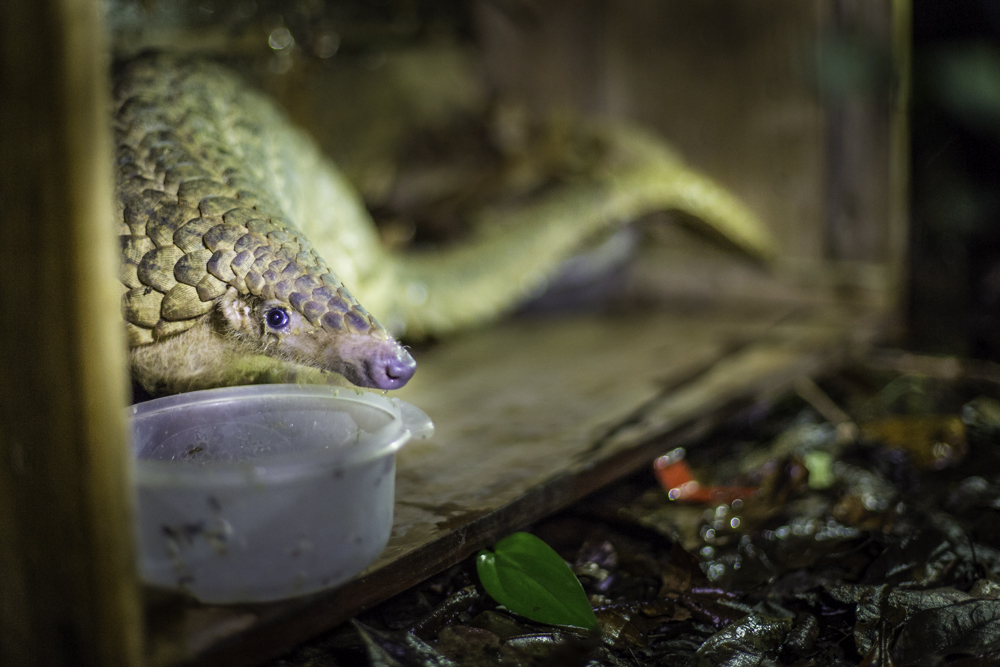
(296,623)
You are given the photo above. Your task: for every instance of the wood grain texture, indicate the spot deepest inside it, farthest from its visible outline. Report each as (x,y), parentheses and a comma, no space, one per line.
(531,416)
(858,134)
(724,81)
(899,164)
(735,86)
(70,595)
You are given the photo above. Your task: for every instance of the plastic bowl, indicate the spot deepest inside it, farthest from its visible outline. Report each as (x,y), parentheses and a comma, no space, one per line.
(253,494)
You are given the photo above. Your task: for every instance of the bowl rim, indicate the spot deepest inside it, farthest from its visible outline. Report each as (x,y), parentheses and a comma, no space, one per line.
(406,421)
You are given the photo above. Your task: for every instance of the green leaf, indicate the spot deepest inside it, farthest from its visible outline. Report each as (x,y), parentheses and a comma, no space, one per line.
(525,575)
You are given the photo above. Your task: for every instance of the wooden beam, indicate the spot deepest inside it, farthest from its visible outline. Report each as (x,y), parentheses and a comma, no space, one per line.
(67,573)
(858,132)
(899,151)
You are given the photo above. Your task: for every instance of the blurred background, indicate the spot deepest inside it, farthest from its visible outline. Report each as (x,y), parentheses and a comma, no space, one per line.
(435,110)
(955,253)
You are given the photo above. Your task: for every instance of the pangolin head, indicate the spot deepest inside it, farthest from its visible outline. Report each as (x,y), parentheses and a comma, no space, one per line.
(256,277)
(310,319)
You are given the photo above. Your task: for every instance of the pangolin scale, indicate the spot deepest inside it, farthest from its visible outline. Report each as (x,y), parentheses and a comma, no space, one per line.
(219,195)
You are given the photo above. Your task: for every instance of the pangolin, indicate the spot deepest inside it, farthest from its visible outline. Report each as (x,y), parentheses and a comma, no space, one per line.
(231,223)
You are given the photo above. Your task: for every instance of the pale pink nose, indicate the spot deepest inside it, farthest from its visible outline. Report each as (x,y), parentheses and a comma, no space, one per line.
(379,363)
(391,368)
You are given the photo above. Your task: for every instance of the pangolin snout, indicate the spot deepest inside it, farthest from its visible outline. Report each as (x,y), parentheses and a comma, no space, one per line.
(392,367)
(377,363)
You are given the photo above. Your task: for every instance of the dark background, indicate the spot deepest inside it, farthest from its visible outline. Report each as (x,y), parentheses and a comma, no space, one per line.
(954,303)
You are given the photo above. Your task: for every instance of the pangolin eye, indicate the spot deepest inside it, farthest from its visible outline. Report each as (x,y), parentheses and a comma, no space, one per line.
(276,318)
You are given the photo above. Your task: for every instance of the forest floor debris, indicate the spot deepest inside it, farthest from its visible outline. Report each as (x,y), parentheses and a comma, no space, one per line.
(854,522)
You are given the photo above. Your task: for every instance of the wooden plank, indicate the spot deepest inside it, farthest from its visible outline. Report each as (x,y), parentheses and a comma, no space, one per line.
(725,81)
(532,416)
(681,268)
(858,157)
(899,148)
(734,85)
(69,591)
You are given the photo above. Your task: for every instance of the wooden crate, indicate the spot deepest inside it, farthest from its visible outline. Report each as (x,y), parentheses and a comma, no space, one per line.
(532,413)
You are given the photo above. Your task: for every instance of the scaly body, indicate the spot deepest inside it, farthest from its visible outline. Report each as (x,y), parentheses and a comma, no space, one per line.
(243,247)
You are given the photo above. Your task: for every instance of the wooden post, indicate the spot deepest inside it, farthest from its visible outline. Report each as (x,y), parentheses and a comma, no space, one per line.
(68,589)
(899,151)
(858,142)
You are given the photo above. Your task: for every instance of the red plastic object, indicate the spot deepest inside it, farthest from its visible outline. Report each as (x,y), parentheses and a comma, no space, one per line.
(676,478)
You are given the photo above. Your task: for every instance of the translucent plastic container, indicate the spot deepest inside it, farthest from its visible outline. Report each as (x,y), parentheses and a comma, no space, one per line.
(252,494)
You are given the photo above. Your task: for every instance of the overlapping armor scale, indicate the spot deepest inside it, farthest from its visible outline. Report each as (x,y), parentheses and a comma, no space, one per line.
(195,220)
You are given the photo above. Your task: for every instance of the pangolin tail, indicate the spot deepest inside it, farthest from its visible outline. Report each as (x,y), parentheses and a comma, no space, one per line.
(517,251)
